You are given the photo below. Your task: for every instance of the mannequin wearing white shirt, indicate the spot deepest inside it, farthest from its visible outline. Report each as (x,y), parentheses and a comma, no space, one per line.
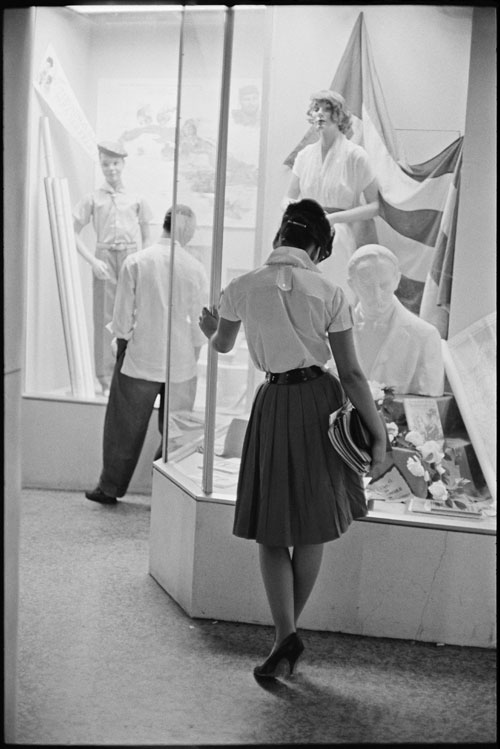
(336,173)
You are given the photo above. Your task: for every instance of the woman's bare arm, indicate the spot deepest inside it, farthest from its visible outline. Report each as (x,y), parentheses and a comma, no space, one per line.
(221,332)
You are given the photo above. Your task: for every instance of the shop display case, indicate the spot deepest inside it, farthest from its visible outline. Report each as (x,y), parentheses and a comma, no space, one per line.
(217,176)
(225,94)
(152,79)
(212,574)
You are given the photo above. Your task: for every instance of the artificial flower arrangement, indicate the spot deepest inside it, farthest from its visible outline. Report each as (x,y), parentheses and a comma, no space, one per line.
(432,459)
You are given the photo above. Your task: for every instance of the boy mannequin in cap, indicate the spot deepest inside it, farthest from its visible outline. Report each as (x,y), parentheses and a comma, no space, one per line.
(121,222)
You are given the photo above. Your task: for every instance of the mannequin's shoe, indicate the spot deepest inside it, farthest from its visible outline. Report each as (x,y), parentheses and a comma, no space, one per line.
(98,496)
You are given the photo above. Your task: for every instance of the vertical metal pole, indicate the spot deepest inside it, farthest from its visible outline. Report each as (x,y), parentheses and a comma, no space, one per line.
(61,286)
(49,158)
(218,232)
(166,403)
(63,240)
(77,387)
(262,197)
(77,306)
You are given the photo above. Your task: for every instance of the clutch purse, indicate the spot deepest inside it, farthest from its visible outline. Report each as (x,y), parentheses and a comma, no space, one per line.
(350,438)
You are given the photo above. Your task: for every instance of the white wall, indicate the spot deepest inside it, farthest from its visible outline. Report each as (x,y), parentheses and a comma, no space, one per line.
(474,277)
(17,38)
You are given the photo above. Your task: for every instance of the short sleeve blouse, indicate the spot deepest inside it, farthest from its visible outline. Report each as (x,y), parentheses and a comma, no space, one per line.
(287,308)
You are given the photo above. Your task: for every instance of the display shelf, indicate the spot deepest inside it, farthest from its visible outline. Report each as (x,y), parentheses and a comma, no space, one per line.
(187,473)
(393,574)
(397,513)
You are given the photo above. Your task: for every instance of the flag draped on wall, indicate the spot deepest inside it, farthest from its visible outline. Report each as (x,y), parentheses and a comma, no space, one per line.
(418,204)
(435,305)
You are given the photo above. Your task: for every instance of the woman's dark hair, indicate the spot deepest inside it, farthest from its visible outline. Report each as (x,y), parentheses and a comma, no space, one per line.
(303,222)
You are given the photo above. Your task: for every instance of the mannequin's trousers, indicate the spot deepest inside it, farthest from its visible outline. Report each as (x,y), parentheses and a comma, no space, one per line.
(130,405)
(104,293)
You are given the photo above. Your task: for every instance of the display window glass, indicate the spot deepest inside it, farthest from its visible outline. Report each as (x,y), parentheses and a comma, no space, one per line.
(210,105)
(100,77)
(219,156)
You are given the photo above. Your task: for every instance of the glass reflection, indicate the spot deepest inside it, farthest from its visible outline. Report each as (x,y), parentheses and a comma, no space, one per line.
(115,78)
(93,84)
(199,155)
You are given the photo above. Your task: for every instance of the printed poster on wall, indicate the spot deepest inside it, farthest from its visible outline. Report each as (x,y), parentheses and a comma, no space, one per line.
(54,88)
(142,115)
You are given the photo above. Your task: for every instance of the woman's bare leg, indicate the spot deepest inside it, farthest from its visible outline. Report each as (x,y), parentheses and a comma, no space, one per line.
(306,563)
(277,574)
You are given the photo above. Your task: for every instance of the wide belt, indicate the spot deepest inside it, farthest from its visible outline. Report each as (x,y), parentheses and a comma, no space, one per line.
(116,246)
(294,376)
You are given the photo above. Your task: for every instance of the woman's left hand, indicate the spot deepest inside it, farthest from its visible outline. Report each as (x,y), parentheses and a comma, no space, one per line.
(378,454)
(208,321)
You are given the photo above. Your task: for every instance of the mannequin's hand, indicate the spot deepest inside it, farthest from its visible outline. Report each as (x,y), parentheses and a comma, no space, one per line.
(100,270)
(208,321)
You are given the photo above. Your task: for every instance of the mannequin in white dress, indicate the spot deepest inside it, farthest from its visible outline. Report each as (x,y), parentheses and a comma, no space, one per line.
(337,174)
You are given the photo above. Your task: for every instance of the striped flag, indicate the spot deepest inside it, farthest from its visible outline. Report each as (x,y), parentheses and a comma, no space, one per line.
(435,305)
(417,203)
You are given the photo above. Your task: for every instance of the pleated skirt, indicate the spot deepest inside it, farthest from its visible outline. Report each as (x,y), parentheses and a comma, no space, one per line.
(293,488)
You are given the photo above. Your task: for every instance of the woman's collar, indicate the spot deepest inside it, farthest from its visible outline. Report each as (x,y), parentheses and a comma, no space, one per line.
(295,256)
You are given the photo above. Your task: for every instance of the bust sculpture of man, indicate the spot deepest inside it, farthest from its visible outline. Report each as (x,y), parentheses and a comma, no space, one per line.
(394,346)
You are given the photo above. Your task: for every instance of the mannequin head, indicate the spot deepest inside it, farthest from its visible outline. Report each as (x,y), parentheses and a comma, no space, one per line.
(112,160)
(373,274)
(249,100)
(332,105)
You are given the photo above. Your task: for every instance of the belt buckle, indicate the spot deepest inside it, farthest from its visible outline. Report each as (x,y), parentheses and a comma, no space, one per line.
(120,246)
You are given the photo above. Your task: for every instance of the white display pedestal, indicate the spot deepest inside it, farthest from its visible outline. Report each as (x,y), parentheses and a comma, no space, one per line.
(61,445)
(390,575)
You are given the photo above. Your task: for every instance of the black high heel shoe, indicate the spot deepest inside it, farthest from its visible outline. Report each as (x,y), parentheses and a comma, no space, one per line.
(290,650)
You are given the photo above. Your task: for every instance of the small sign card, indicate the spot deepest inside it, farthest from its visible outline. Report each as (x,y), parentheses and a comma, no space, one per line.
(422,415)
(390,487)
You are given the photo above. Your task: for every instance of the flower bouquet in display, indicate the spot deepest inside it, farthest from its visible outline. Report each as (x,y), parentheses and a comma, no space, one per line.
(390,485)
(446,489)
(433,463)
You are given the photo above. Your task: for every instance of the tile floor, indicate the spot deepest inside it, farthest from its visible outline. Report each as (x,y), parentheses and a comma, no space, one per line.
(106,657)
